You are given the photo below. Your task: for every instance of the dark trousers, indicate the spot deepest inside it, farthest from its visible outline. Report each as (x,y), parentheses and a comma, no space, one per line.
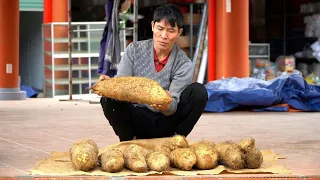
(129,121)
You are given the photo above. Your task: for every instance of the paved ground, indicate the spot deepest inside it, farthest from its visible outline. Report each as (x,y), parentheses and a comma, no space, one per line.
(31,129)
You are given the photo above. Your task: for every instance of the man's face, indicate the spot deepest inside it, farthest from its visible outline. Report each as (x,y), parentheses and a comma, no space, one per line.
(164,35)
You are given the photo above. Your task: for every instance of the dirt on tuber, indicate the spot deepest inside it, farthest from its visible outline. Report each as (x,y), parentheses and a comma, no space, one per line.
(183,158)
(158,161)
(207,156)
(231,155)
(135,158)
(253,156)
(84,155)
(112,161)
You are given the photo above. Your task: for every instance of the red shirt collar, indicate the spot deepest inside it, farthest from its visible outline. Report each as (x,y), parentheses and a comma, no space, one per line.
(156,59)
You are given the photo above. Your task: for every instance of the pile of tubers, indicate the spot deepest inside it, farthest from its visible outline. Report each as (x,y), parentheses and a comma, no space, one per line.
(175,153)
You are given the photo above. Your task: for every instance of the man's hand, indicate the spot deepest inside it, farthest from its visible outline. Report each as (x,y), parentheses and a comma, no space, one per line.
(101,78)
(161,107)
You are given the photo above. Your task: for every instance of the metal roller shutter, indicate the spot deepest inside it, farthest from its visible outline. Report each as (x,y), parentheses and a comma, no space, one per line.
(31,5)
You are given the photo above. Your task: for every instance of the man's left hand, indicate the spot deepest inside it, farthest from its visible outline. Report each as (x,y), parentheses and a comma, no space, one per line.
(161,107)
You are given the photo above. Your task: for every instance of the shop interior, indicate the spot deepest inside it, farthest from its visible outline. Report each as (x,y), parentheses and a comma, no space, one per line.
(282,38)
(288,26)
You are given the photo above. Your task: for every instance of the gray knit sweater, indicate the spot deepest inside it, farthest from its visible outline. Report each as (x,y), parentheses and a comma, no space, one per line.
(138,60)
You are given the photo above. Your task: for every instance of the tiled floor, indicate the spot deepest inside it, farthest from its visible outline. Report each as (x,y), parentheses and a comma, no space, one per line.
(31,129)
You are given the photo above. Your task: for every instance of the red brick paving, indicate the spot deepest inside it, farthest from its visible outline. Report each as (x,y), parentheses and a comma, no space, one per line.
(31,129)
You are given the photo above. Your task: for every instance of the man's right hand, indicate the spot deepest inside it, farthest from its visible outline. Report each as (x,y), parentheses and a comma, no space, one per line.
(101,78)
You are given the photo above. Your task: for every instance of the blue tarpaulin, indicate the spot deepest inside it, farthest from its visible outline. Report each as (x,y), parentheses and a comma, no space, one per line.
(30,92)
(232,93)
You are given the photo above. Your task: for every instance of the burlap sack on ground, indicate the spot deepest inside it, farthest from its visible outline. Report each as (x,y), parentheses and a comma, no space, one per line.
(133,89)
(58,163)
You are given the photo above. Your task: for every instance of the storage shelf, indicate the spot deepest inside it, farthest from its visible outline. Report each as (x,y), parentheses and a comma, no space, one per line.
(259,50)
(258,56)
(74,40)
(75,54)
(258,44)
(65,81)
(288,32)
(74,67)
(85,42)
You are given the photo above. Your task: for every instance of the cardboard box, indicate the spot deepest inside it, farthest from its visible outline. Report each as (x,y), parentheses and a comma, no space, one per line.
(196,18)
(184,41)
(286,63)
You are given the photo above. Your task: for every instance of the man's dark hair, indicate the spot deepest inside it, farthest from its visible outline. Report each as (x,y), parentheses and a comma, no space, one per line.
(169,12)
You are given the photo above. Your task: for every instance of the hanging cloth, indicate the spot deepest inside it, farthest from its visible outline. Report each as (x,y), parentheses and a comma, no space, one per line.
(109,55)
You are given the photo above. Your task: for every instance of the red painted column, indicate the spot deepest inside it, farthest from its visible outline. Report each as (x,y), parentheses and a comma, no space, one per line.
(59,10)
(9,51)
(238,26)
(232,38)
(47,11)
(211,40)
(47,18)
(220,38)
(56,11)
(60,14)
